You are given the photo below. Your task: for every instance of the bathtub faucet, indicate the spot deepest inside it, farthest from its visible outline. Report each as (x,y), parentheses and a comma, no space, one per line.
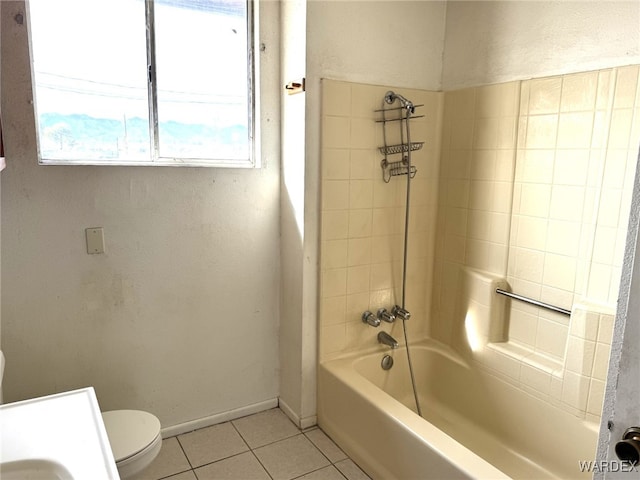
(400,312)
(386,339)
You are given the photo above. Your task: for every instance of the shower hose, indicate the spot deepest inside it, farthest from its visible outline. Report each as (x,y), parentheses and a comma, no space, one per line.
(404,263)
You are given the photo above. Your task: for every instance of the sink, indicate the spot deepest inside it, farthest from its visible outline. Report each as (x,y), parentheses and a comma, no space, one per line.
(34,469)
(59,436)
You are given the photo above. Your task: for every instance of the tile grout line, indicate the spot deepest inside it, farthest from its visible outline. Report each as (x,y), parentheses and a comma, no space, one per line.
(251,450)
(184,452)
(300,432)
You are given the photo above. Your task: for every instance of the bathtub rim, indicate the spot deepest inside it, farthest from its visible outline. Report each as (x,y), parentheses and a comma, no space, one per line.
(443,445)
(346,372)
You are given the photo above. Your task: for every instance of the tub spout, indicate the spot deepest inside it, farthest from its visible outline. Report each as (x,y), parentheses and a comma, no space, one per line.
(386,339)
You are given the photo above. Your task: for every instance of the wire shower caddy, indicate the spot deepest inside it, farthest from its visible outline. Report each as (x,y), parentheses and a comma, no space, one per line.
(393,168)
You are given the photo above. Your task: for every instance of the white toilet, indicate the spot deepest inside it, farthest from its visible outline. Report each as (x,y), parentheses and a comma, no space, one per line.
(135,439)
(134,436)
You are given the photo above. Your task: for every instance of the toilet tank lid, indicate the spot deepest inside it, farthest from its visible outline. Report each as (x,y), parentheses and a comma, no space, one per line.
(130,431)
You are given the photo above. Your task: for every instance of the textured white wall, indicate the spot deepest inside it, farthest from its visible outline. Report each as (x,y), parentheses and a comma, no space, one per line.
(180,315)
(395,43)
(377,42)
(297,345)
(493,42)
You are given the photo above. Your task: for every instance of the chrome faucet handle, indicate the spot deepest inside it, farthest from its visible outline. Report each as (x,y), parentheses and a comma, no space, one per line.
(371,319)
(383,314)
(400,312)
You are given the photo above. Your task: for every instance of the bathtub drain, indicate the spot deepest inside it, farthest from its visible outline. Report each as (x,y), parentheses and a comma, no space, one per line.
(387,362)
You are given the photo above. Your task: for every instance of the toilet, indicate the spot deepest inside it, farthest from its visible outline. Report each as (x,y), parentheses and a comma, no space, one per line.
(134,436)
(135,439)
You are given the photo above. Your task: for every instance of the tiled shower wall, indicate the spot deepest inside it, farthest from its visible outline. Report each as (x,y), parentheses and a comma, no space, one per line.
(559,237)
(363,217)
(534,186)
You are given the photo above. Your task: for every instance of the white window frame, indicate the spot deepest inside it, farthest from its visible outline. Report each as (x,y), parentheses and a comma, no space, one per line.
(254,121)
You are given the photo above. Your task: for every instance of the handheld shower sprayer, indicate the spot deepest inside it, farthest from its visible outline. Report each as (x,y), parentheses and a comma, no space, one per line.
(391,97)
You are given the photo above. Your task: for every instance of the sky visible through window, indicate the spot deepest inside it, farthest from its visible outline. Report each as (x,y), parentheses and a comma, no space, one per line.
(90,70)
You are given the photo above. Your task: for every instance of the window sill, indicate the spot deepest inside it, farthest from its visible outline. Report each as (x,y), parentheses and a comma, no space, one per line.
(161,163)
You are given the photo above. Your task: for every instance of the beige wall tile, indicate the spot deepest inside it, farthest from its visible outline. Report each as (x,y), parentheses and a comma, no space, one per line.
(544,95)
(336,98)
(360,194)
(335,164)
(535,200)
(360,223)
(626,84)
(335,132)
(596,397)
(334,254)
(358,279)
(335,194)
(567,202)
(334,282)
(571,167)
(363,133)
(333,310)
(560,271)
(335,224)
(579,92)
(551,338)
(580,355)
(574,130)
(620,131)
(364,164)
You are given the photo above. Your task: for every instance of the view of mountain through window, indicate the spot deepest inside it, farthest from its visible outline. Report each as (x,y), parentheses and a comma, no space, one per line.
(95,98)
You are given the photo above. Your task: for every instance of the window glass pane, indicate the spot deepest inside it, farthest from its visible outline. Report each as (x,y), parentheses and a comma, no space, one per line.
(203,79)
(90,73)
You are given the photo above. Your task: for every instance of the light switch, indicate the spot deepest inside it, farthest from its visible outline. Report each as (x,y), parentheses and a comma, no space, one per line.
(95,240)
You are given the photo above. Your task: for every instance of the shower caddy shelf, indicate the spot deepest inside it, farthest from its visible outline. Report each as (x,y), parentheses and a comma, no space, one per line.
(397,167)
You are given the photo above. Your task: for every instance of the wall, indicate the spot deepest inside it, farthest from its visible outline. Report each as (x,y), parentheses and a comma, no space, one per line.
(498,41)
(363,217)
(180,315)
(569,160)
(297,344)
(366,42)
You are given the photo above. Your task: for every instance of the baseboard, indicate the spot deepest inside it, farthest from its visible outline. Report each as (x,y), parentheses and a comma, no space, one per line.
(301,422)
(191,425)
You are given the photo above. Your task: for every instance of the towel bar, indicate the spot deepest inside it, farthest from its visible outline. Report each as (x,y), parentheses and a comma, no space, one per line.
(531,301)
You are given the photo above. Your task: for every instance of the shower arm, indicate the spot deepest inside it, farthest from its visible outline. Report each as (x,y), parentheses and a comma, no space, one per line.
(391,97)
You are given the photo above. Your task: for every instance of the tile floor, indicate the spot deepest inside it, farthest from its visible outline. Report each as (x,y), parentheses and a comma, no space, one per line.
(263,446)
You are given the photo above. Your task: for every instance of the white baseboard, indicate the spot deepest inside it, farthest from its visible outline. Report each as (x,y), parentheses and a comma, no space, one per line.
(189,426)
(301,422)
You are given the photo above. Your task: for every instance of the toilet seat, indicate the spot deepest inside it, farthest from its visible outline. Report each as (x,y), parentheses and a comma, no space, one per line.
(133,435)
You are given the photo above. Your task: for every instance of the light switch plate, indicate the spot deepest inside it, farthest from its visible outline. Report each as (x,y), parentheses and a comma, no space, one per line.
(95,240)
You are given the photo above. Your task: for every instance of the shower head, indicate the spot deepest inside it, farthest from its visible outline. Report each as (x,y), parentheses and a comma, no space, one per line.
(391,97)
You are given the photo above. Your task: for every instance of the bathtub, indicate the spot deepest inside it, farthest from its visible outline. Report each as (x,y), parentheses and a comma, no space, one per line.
(475,425)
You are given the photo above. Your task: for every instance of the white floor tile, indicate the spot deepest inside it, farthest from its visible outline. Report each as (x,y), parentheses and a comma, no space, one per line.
(241,467)
(326,473)
(265,427)
(291,458)
(170,460)
(211,444)
(326,445)
(351,470)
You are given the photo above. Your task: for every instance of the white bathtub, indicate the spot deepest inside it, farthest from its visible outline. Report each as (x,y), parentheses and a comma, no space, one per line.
(475,425)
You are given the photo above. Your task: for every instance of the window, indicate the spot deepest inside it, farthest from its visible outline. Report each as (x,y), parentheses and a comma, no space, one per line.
(161,82)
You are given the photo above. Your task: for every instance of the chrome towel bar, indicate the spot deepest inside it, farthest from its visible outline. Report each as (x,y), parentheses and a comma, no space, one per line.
(531,301)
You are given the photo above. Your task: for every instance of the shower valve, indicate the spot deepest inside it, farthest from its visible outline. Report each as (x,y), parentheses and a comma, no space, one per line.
(400,312)
(370,318)
(383,314)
